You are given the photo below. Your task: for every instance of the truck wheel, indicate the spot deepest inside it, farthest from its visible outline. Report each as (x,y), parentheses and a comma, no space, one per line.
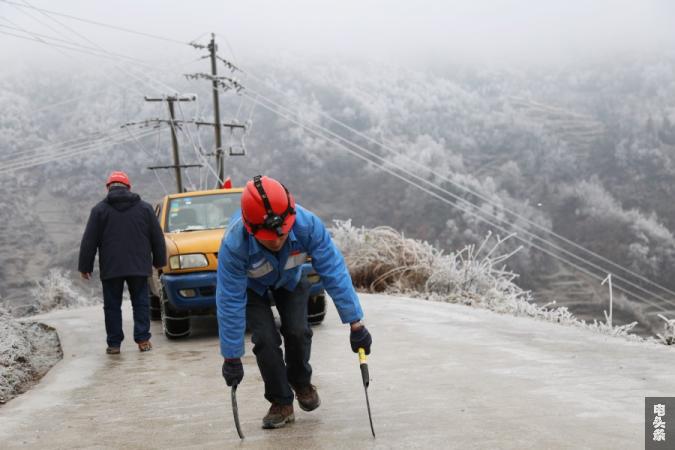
(176,324)
(155,308)
(316,309)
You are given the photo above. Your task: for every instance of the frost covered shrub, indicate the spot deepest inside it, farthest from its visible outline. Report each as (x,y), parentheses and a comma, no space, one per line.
(668,336)
(57,291)
(473,274)
(383,260)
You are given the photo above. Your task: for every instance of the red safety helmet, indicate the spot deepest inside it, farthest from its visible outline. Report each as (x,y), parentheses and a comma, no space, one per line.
(268,209)
(118,177)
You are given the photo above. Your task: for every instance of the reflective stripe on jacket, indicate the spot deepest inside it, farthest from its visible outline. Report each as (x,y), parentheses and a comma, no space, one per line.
(244,263)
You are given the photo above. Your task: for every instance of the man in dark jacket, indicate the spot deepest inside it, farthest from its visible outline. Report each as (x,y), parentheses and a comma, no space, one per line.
(126,233)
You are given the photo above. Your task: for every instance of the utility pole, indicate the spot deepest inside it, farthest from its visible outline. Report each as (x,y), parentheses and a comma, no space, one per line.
(213,48)
(218,82)
(174,139)
(608,280)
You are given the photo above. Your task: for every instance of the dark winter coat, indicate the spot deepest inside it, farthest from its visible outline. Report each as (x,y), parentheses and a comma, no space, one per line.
(125,231)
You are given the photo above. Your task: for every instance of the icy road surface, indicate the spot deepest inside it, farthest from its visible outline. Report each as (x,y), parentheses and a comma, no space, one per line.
(443,376)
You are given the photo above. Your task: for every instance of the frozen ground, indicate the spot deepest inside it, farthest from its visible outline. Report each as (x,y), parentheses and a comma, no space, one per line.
(443,376)
(27,351)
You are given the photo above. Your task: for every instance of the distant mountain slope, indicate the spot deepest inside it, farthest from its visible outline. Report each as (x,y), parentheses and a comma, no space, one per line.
(587,151)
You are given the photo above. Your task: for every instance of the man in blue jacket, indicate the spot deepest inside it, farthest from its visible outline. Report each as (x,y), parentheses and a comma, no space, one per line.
(128,238)
(261,256)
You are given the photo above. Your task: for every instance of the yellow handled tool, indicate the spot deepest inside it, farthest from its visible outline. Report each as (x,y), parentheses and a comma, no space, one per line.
(366,382)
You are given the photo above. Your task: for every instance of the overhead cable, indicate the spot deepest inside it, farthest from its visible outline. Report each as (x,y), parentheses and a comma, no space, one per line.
(338,140)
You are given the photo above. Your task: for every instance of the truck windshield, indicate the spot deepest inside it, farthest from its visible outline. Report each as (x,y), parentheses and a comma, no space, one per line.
(201,212)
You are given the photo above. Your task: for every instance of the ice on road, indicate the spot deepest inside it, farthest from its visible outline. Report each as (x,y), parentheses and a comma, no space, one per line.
(442,376)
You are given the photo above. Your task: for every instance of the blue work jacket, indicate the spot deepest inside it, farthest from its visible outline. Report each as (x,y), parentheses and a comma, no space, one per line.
(244,263)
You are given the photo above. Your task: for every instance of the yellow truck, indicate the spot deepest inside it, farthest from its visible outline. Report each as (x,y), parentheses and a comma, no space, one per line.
(194,224)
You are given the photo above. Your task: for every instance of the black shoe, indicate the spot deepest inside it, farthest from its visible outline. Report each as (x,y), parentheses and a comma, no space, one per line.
(278,416)
(308,397)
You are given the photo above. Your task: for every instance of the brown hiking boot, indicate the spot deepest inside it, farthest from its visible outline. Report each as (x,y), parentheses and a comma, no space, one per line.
(144,346)
(278,416)
(308,397)
(112,350)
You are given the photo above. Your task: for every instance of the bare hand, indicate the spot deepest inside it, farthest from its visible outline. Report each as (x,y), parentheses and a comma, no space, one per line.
(85,275)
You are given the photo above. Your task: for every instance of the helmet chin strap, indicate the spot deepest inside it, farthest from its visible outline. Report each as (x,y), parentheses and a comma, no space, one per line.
(272,221)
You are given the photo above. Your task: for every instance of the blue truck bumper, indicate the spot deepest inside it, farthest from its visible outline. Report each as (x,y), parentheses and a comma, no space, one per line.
(197,290)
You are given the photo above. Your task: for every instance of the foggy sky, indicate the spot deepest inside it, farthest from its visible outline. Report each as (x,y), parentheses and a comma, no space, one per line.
(422,32)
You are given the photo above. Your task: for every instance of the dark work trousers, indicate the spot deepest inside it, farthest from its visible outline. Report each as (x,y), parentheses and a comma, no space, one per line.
(112,307)
(276,374)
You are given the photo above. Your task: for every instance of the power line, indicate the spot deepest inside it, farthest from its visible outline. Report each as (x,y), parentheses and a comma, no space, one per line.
(49,151)
(81,36)
(473,205)
(75,46)
(57,46)
(67,154)
(172,124)
(200,157)
(20,162)
(87,50)
(47,36)
(389,149)
(83,49)
(127,72)
(79,49)
(60,147)
(101,24)
(73,99)
(484,198)
(445,200)
(101,134)
(381,166)
(59,150)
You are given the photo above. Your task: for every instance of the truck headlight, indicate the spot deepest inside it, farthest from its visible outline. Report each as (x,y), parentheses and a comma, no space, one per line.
(189,261)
